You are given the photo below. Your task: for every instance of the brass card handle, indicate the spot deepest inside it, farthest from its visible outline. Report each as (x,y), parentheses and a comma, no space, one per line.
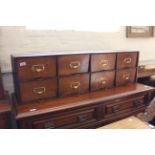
(103,81)
(104,63)
(39,90)
(74,64)
(116,108)
(49,125)
(126,76)
(127,60)
(75,85)
(38,68)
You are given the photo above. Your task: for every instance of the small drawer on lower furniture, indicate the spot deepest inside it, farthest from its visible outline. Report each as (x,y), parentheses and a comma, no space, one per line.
(132,103)
(38,89)
(102,80)
(72,85)
(125,76)
(74,119)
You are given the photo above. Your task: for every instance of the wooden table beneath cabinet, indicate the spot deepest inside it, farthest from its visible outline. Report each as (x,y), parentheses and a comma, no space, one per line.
(128,123)
(90,110)
(5,111)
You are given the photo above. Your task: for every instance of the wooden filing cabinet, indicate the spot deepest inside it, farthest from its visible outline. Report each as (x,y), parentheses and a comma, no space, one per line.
(77,89)
(39,77)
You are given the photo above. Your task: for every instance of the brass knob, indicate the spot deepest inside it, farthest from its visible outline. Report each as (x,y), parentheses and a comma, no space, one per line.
(103,81)
(75,64)
(75,85)
(104,63)
(38,68)
(49,125)
(126,76)
(39,90)
(127,60)
(116,108)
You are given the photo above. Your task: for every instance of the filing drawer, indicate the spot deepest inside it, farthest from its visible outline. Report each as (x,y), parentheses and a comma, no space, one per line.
(75,84)
(101,62)
(70,120)
(127,60)
(102,80)
(36,67)
(125,104)
(38,89)
(72,64)
(125,76)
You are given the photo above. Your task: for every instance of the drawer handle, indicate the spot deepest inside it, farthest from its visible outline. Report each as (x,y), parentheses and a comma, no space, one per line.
(75,64)
(126,77)
(103,81)
(137,103)
(104,63)
(82,118)
(116,108)
(39,90)
(49,126)
(38,68)
(75,85)
(127,60)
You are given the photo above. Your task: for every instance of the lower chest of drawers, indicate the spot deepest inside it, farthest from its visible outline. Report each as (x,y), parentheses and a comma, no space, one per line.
(67,119)
(89,116)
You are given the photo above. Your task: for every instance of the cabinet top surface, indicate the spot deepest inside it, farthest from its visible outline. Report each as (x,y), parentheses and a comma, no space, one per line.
(4,106)
(54,105)
(54,53)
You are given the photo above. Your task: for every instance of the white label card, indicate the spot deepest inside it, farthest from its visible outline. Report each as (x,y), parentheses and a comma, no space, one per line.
(22,64)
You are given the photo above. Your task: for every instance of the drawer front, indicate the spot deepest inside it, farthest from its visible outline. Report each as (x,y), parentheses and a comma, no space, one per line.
(101,62)
(76,84)
(72,64)
(74,119)
(125,76)
(102,80)
(133,103)
(127,60)
(38,89)
(40,67)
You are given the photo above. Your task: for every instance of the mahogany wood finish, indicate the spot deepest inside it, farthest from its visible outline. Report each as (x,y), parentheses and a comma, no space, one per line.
(35,67)
(70,71)
(75,84)
(89,110)
(102,80)
(72,64)
(127,60)
(100,62)
(5,114)
(125,76)
(38,89)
